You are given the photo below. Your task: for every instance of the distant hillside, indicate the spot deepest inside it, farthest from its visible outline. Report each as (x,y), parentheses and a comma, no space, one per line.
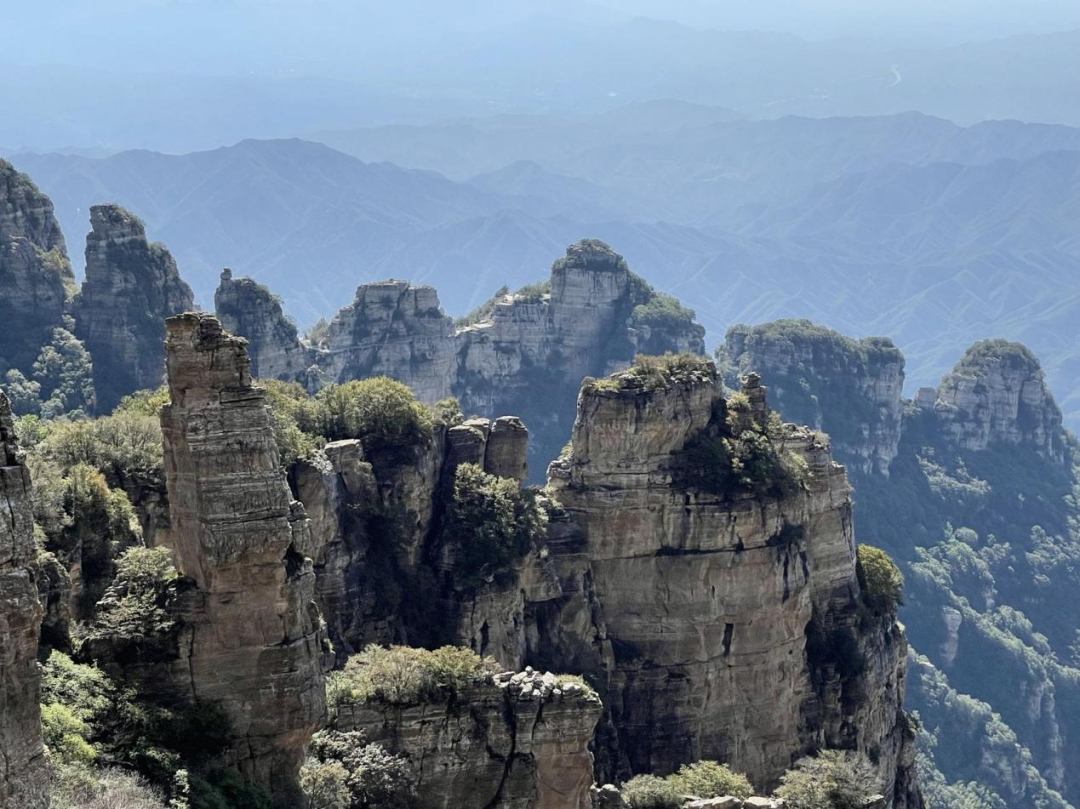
(910,226)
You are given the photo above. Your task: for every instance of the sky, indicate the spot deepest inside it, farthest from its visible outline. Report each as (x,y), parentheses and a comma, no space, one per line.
(219,37)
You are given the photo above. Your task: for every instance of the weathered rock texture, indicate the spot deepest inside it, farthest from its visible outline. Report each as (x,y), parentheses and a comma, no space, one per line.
(131,286)
(848,388)
(704,612)
(249,309)
(23,776)
(526,354)
(375,527)
(518,741)
(254,645)
(35,274)
(997,394)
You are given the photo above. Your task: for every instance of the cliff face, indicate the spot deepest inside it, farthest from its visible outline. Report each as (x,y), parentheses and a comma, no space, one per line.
(979,514)
(249,309)
(701,604)
(517,741)
(35,275)
(131,286)
(255,646)
(849,388)
(997,394)
(23,776)
(592,316)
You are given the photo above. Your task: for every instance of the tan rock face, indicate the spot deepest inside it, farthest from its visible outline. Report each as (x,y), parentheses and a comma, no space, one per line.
(35,275)
(249,309)
(23,776)
(997,394)
(849,388)
(520,741)
(255,644)
(698,605)
(131,286)
(526,357)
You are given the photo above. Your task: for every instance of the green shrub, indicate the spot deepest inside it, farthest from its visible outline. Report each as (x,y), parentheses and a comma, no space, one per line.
(65,734)
(134,604)
(122,446)
(290,408)
(662,312)
(833,779)
(710,779)
(345,772)
(148,402)
(448,411)
(381,412)
(650,792)
(403,675)
(79,787)
(492,522)
(880,580)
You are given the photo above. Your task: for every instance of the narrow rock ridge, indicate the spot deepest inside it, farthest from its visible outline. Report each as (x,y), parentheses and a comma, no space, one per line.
(849,388)
(255,643)
(35,274)
(23,772)
(698,608)
(515,740)
(997,394)
(251,310)
(131,286)
(591,317)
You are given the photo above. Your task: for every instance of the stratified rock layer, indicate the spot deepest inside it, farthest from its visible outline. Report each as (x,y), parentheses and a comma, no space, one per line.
(519,741)
(997,394)
(525,355)
(849,388)
(23,776)
(250,310)
(255,644)
(698,609)
(131,286)
(35,275)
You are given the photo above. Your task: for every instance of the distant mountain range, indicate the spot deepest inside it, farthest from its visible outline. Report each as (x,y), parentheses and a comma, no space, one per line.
(911,226)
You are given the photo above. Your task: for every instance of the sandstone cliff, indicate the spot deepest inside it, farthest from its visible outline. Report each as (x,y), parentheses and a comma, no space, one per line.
(35,274)
(591,316)
(702,601)
(254,645)
(250,310)
(516,741)
(23,777)
(848,388)
(997,394)
(131,286)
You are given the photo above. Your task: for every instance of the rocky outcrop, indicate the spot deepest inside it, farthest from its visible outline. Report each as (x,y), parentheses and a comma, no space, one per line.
(23,776)
(247,308)
(997,394)
(592,316)
(252,627)
(35,274)
(849,388)
(701,605)
(131,286)
(516,740)
(375,522)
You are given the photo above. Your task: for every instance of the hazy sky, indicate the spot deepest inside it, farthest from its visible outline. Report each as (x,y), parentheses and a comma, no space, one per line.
(230,36)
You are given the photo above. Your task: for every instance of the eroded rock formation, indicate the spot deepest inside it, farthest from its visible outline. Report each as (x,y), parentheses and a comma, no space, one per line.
(255,646)
(23,776)
(249,309)
(849,388)
(131,286)
(35,274)
(703,608)
(997,394)
(591,317)
(516,740)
